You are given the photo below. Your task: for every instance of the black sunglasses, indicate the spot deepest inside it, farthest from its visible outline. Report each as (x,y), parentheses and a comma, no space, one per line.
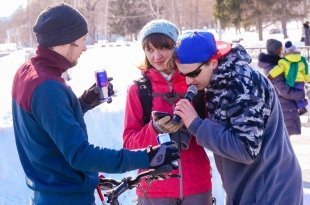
(195,72)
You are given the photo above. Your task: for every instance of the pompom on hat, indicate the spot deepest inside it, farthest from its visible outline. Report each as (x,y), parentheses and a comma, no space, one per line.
(199,46)
(59,24)
(160,26)
(289,47)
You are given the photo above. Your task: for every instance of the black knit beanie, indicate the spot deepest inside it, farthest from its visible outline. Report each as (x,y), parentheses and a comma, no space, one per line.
(59,24)
(273,46)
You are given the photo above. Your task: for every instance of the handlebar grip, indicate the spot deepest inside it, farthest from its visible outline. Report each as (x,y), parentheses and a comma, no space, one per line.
(107,184)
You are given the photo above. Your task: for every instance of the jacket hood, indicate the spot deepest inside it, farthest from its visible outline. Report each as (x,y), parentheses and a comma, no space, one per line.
(227,68)
(237,54)
(267,61)
(268,58)
(293,57)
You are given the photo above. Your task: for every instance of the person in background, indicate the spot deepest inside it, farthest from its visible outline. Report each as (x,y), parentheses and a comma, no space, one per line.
(286,94)
(245,128)
(295,69)
(158,39)
(306,33)
(61,166)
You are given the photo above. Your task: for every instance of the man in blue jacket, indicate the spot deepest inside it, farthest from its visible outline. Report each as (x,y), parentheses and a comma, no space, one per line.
(61,166)
(245,128)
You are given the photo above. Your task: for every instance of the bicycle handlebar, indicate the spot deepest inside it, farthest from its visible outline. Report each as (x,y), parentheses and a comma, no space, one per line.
(115,188)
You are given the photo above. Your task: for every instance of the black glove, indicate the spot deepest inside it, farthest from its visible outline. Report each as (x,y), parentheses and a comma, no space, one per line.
(162,123)
(182,137)
(90,97)
(163,155)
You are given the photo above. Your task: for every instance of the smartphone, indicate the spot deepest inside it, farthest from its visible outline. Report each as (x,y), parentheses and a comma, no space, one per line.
(160,115)
(163,138)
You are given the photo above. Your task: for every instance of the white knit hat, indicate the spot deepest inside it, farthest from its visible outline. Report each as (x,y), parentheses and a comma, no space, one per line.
(289,47)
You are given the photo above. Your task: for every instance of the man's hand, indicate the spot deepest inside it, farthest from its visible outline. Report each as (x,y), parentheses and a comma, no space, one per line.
(162,123)
(163,155)
(90,97)
(186,111)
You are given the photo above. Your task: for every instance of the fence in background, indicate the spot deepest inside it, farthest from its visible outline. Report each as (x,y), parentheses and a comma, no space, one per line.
(254,52)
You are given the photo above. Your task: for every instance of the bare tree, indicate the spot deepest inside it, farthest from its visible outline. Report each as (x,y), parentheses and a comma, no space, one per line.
(154,7)
(284,17)
(88,8)
(126,17)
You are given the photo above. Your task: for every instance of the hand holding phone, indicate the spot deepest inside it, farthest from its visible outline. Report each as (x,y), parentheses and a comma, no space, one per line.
(156,115)
(162,122)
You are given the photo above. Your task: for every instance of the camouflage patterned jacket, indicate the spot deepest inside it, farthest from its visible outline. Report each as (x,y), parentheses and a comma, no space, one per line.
(246,132)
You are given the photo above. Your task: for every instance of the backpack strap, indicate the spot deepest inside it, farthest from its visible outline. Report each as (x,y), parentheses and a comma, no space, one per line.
(145,95)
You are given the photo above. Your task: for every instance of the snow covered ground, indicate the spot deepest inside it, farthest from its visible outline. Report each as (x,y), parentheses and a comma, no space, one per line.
(104,123)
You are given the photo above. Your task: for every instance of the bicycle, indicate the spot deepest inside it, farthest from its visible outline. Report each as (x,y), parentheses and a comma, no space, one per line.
(114,188)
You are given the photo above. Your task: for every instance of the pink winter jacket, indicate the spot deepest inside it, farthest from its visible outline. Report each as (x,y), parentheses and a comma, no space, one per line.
(195,164)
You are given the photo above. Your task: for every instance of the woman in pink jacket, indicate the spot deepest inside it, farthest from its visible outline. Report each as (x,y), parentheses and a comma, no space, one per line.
(168,86)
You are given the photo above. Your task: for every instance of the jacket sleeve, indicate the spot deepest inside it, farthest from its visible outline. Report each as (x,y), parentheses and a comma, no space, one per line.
(136,135)
(306,70)
(220,140)
(286,91)
(53,108)
(241,116)
(277,70)
(307,76)
(84,106)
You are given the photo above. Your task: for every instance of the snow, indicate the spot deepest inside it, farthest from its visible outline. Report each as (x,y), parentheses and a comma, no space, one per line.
(104,123)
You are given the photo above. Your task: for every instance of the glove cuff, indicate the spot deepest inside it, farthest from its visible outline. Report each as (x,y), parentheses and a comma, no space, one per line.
(85,107)
(157,129)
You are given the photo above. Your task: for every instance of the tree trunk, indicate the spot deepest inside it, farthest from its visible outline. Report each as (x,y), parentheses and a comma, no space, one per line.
(284,18)
(260,27)
(106,14)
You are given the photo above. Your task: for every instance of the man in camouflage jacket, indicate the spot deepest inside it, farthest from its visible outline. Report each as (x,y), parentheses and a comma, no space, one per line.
(245,128)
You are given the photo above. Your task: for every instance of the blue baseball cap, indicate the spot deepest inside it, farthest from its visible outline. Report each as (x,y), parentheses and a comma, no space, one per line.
(199,46)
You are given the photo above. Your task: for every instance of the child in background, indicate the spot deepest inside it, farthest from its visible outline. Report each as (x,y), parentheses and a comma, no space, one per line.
(295,69)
